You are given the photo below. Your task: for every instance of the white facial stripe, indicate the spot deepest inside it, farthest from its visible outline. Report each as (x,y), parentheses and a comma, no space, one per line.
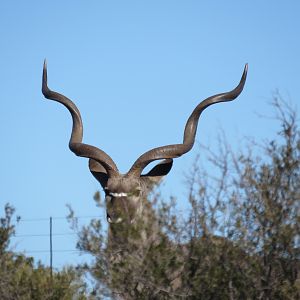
(116,195)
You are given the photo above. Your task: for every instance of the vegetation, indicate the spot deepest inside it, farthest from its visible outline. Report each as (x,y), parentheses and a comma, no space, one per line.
(21,279)
(239,240)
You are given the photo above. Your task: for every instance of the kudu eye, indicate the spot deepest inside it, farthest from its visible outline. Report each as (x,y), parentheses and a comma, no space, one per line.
(135,193)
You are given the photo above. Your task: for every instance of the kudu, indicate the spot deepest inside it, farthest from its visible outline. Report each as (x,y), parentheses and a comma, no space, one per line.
(126,194)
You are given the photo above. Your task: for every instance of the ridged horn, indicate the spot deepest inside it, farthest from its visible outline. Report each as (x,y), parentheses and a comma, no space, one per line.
(75,143)
(176,150)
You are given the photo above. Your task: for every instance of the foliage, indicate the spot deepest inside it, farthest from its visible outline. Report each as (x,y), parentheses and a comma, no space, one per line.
(240,238)
(21,279)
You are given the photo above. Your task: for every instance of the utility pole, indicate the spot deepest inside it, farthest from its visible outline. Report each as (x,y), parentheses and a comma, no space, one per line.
(51,251)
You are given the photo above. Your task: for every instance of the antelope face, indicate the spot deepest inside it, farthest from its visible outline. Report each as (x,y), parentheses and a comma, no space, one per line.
(125,195)
(124,199)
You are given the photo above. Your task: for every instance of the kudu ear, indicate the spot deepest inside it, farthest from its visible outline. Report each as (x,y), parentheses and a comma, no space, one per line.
(159,171)
(98,172)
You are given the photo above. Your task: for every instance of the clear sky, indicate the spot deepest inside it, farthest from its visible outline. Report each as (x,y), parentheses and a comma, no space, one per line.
(136,70)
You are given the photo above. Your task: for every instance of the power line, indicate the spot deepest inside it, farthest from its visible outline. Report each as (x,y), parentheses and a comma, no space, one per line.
(47,251)
(56,218)
(43,234)
(50,234)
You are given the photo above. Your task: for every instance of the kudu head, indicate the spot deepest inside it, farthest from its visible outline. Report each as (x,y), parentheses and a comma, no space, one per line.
(124,193)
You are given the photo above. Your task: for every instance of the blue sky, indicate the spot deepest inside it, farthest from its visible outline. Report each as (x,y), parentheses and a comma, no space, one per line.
(136,70)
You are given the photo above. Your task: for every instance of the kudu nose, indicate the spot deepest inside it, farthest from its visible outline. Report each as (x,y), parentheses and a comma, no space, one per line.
(118,208)
(113,219)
